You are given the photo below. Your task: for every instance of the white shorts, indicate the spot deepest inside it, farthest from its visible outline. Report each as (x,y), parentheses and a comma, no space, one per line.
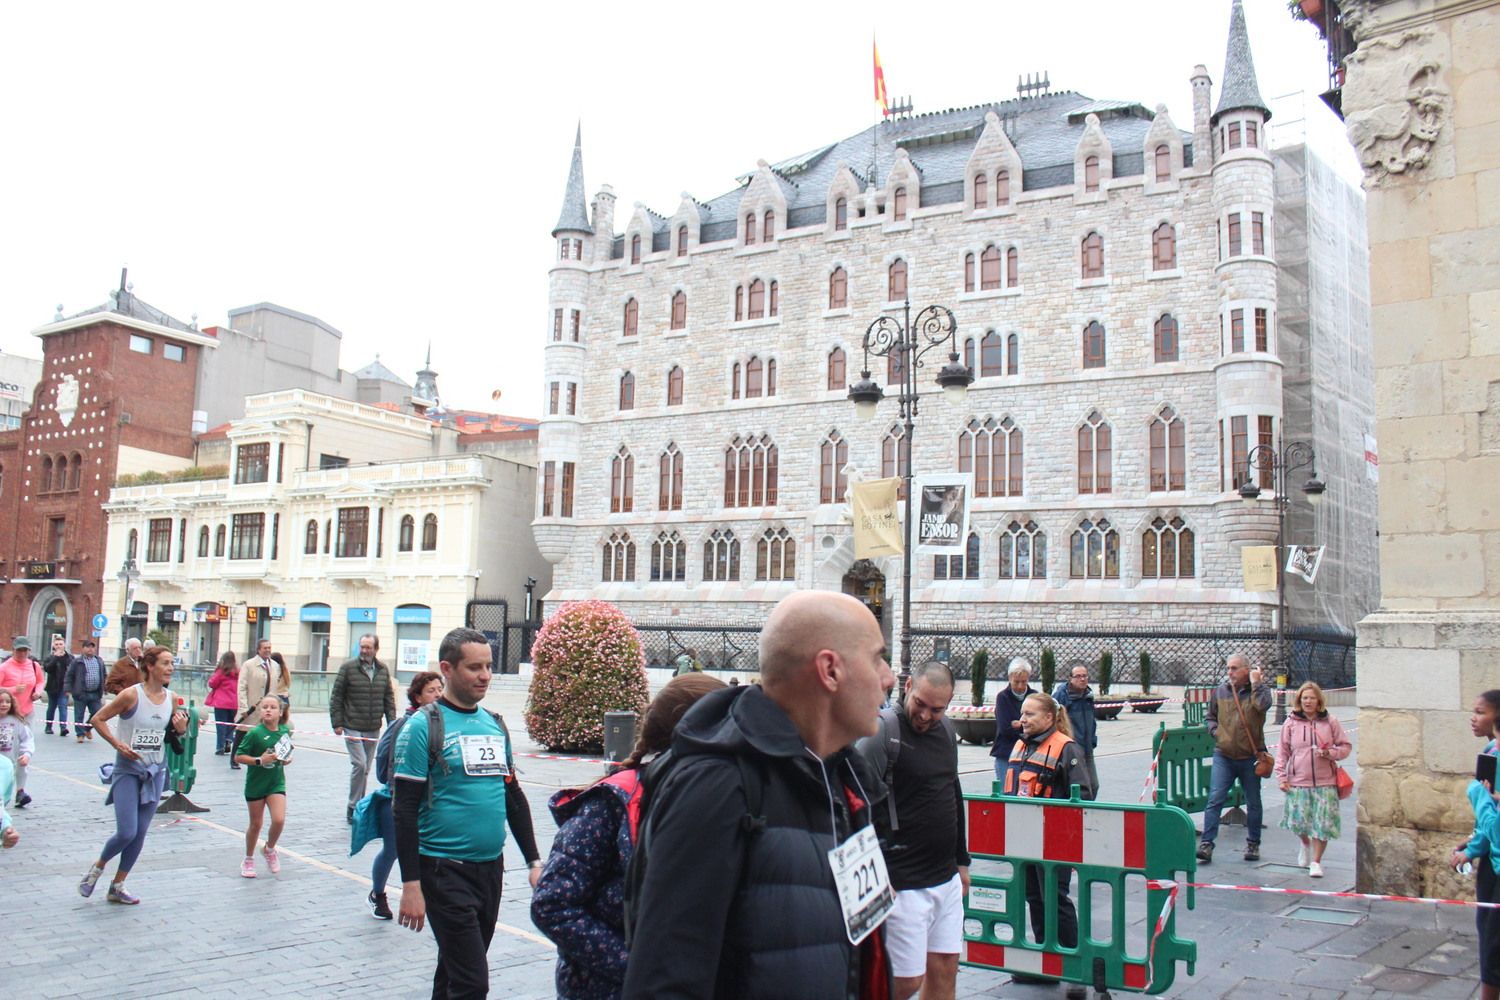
(923,921)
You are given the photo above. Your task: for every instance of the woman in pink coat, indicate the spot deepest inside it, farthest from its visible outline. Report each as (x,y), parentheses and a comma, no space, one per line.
(223,699)
(1312,742)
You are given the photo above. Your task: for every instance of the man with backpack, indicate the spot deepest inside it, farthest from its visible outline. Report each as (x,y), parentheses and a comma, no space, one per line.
(758,873)
(455,793)
(921,826)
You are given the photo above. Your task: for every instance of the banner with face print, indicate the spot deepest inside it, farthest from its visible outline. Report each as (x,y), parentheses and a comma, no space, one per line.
(942,512)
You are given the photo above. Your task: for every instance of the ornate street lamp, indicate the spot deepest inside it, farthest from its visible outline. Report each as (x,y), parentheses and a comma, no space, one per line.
(1281,461)
(905,341)
(128,576)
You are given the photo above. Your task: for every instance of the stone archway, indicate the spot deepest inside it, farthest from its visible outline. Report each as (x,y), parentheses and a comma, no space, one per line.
(51,613)
(865,581)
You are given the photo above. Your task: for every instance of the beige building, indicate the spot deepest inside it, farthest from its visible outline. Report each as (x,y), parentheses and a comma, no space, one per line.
(334,519)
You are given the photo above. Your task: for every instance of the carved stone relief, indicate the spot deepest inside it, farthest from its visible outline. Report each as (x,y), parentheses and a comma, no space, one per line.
(1406,106)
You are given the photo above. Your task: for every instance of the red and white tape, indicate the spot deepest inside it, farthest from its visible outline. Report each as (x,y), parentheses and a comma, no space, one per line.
(1378,897)
(1148,790)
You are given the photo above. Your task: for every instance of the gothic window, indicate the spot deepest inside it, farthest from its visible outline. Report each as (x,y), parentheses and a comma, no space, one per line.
(635,249)
(1168,451)
(668,558)
(310,539)
(1023,552)
(721,557)
(959,567)
(739,302)
(1095,551)
(619,558)
(837,368)
(674,386)
(754,370)
(1163,163)
(775,309)
(1091,174)
(1164,248)
(1012,267)
(898,205)
(838,289)
(893,458)
(1166,338)
(406,532)
(770,376)
(757,297)
(46,481)
(622,482)
(833,482)
(1013,354)
(841,214)
(896,281)
(969,353)
(768,229)
(734,381)
(627,391)
(679,311)
(749,229)
(1093,345)
(989,268)
(992,451)
(991,360)
(750,472)
(632,315)
(429,533)
(1167,550)
(969,272)
(1094,455)
(682,241)
(669,479)
(981,191)
(1093,256)
(776,556)
(1002,188)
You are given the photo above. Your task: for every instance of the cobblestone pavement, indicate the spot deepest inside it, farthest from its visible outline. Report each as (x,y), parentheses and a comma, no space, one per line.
(204,931)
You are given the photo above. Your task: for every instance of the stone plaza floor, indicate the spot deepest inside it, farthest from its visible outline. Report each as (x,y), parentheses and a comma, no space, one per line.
(203,931)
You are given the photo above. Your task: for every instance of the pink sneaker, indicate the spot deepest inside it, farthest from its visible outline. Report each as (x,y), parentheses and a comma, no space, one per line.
(273,860)
(247,868)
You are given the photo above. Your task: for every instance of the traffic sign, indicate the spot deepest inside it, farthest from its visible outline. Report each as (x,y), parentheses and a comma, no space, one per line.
(101,621)
(98,632)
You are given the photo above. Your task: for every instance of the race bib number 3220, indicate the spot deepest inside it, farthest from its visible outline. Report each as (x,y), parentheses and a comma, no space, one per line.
(147,740)
(484,756)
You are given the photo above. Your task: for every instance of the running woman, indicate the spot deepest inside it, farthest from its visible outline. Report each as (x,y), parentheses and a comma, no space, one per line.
(265,751)
(147,722)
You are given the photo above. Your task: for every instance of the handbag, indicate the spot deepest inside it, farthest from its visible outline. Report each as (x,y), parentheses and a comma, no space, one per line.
(1344,783)
(1264,762)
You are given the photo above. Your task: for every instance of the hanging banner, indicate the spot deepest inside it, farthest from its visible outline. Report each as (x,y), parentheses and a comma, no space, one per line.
(1372,460)
(1304,560)
(877,527)
(1258,562)
(942,512)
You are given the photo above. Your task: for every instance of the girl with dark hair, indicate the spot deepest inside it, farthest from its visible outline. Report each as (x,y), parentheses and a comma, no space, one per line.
(148,720)
(580,901)
(222,685)
(1481,848)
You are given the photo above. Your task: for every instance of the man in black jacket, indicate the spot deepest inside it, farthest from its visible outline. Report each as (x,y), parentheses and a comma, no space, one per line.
(362,696)
(56,666)
(759,892)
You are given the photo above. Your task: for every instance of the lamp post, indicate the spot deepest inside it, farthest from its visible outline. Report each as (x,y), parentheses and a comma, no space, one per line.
(128,576)
(1281,460)
(906,341)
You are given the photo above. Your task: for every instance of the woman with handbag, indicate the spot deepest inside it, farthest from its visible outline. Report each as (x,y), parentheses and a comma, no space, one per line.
(1312,744)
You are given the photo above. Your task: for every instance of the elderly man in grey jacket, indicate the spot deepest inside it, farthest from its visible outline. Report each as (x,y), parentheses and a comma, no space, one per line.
(362,695)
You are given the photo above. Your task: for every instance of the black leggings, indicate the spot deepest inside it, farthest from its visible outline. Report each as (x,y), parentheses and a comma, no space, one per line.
(1487,890)
(463,903)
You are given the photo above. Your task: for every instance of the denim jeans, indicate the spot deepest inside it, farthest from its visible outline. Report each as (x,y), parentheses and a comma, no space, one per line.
(380,871)
(223,728)
(58,705)
(1225,771)
(84,707)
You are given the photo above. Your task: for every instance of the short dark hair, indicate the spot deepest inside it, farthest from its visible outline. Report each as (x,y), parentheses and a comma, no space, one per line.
(88,644)
(934,671)
(418,683)
(451,649)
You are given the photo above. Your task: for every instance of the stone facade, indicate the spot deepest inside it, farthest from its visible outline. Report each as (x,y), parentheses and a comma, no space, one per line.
(1422,101)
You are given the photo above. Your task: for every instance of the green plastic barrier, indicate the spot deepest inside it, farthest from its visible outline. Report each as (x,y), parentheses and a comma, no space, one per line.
(1195,701)
(181,771)
(1105,843)
(1184,769)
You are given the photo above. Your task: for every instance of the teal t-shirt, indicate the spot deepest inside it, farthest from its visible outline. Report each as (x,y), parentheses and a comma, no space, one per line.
(465,819)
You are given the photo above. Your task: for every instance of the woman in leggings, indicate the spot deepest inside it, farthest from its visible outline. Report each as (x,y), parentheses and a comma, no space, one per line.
(147,721)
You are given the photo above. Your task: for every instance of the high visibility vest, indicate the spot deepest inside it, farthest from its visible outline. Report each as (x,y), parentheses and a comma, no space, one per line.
(1033,770)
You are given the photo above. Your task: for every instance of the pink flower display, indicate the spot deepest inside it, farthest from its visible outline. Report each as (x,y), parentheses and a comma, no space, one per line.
(588,660)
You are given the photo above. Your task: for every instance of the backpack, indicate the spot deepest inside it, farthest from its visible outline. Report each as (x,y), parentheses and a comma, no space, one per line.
(885,747)
(435,735)
(652,777)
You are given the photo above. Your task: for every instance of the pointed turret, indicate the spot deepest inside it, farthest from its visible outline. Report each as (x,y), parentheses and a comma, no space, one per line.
(426,387)
(575,214)
(1239,91)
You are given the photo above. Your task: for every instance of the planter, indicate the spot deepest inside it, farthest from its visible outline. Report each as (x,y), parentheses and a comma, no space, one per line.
(978,731)
(1106,710)
(1146,704)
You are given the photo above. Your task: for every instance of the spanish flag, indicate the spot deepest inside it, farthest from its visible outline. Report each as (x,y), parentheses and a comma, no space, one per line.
(881,98)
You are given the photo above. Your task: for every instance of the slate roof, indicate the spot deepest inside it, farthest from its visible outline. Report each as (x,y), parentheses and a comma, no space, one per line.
(575,210)
(1240,89)
(376,370)
(125,303)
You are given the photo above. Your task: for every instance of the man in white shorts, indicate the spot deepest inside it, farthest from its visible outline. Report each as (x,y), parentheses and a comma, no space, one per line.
(921,831)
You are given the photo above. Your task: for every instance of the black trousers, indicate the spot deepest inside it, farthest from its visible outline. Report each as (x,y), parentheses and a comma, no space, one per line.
(463,903)
(1487,890)
(1067,916)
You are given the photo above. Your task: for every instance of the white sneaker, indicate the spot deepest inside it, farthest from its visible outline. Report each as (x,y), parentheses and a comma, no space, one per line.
(1302,856)
(1315,870)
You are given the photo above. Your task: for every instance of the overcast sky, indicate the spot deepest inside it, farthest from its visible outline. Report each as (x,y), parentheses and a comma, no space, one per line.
(396,169)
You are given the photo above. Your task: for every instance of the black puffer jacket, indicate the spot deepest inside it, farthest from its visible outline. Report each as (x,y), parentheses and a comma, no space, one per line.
(360,703)
(728,914)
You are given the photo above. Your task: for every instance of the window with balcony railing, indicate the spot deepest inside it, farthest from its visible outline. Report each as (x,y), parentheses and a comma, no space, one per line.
(354,532)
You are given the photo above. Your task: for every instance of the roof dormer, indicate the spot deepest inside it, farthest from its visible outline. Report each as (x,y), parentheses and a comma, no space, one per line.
(903,190)
(992,178)
(1162,153)
(1093,163)
(843,200)
(762,211)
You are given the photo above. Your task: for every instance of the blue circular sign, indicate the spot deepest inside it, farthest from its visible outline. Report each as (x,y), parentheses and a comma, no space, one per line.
(101,621)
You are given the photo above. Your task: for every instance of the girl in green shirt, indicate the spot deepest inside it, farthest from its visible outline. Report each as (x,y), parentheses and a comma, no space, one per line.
(265,751)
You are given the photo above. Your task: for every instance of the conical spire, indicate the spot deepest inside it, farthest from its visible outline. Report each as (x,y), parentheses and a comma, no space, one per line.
(426,387)
(575,213)
(1240,90)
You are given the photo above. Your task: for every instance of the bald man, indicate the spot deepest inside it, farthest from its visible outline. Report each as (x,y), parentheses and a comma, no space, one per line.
(761,861)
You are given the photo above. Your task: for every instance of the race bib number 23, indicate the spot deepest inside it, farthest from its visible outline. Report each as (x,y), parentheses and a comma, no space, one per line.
(484,756)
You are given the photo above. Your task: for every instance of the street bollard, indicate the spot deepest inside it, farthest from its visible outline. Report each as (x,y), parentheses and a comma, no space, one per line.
(181,771)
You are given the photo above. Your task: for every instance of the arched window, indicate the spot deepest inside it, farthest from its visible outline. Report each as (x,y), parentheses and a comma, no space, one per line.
(734,381)
(739,302)
(776,556)
(75,472)
(327,535)
(981,191)
(219,534)
(635,249)
(1166,338)
(721,556)
(768,227)
(1093,256)
(622,482)
(619,558)
(669,479)
(1095,456)
(668,558)
(133,540)
(969,271)
(679,311)
(992,451)
(203,542)
(46,482)
(1168,451)
(896,281)
(1163,163)
(1095,551)
(632,315)
(1012,267)
(1013,355)
(1002,188)
(406,536)
(1091,174)
(959,567)
(682,241)
(1023,552)
(838,289)
(898,205)
(1164,248)
(833,482)
(757,308)
(1167,550)
(754,373)
(750,472)
(770,376)
(429,533)
(775,309)
(969,354)
(841,214)
(627,391)
(893,458)
(1093,345)
(989,268)
(674,386)
(837,366)
(991,360)
(749,229)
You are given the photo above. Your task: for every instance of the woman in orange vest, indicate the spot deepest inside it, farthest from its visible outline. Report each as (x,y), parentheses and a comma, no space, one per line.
(1044,764)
